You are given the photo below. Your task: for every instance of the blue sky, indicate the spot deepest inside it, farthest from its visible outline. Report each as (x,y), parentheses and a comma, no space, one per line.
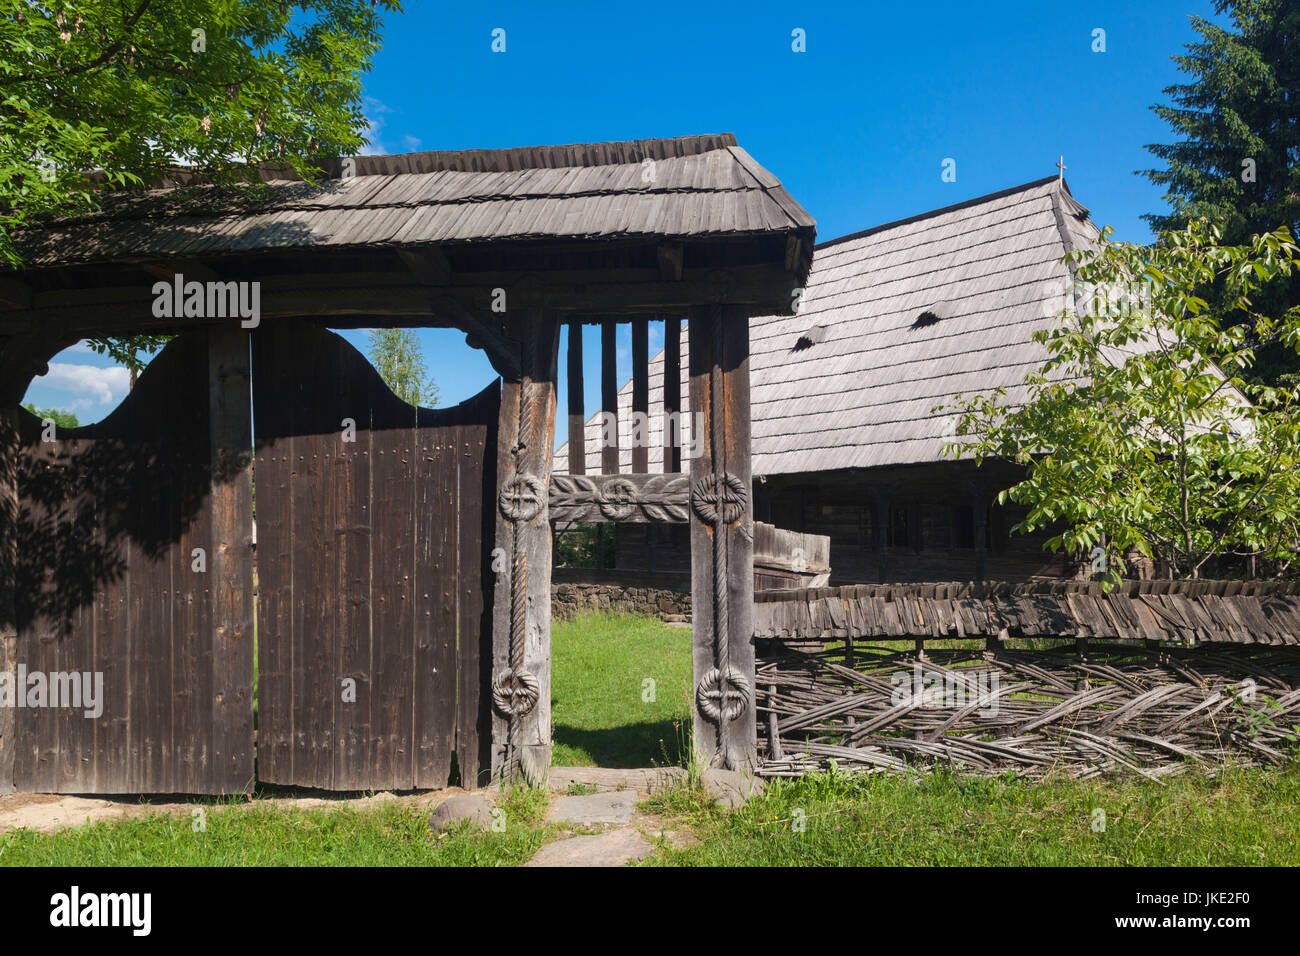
(857,127)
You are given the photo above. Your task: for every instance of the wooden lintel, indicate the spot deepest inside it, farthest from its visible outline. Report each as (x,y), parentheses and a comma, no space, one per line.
(367,296)
(168,269)
(427,265)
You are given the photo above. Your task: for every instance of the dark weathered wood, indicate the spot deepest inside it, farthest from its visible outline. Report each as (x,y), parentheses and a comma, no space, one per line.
(980,511)
(9,451)
(672,393)
(722,567)
(111,516)
(627,498)
(609,463)
(522,592)
(230,561)
(371,554)
(884,503)
(640,394)
(577,405)
(477,442)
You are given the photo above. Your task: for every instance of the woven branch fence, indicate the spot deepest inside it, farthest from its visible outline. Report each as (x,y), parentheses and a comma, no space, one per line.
(1113,707)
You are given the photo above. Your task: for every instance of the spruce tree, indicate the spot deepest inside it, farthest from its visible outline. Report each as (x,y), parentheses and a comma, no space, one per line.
(1237,158)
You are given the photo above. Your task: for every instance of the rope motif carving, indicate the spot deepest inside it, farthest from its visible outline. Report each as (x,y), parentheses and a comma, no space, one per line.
(618,499)
(723,692)
(718,499)
(515,695)
(722,698)
(522,497)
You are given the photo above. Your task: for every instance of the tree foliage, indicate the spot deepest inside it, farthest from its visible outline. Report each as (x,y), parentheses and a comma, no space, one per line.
(397,356)
(1142,430)
(60,418)
(129,88)
(1237,158)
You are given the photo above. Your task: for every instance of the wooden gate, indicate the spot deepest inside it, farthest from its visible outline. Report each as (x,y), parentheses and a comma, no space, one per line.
(374,651)
(134,579)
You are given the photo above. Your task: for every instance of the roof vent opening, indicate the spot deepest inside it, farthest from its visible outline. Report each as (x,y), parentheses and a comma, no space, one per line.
(815,334)
(932,315)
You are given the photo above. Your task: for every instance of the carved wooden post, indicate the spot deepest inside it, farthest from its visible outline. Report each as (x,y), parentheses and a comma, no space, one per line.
(722,538)
(521,610)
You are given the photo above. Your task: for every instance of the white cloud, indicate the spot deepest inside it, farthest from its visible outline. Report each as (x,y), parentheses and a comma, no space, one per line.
(373,111)
(412,143)
(95,386)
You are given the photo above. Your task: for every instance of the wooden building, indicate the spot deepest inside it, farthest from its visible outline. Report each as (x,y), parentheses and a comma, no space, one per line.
(404,555)
(895,321)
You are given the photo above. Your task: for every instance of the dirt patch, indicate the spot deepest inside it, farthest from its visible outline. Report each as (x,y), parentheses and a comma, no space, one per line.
(51,812)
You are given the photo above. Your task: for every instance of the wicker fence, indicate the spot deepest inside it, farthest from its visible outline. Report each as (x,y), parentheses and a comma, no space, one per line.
(1217,682)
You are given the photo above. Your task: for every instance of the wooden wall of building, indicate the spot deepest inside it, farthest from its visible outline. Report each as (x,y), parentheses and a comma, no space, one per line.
(925,514)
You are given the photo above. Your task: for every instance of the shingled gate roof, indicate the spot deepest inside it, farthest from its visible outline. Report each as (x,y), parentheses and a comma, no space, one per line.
(894,321)
(687,187)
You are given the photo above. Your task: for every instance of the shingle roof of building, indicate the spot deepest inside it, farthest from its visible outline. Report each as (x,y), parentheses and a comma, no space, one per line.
(894,321)
(687,187)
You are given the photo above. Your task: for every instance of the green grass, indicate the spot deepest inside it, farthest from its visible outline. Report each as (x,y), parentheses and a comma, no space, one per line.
(260,834)
(1242,817)
(1247,817)
(599,665)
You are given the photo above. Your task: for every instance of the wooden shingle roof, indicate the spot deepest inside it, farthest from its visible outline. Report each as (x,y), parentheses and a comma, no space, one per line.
(894,321)
(687,187)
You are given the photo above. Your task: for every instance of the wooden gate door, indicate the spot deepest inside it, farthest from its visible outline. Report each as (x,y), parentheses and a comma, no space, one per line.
(374,651)
(134,583)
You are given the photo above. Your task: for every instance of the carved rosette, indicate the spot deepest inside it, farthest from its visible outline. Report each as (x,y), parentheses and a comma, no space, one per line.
(718,499)
(722,694)
(522,497)
(516,693)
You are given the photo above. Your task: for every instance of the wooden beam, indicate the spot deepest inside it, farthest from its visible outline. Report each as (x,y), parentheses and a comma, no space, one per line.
(577,403)
(722,545)
(15,294)
(793,252)
(231,435)
(521,609)
(169,269)
(627,498)
(428,265)
(672,393)
(641,393)
(358,299)
(608,397)
(671,257)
